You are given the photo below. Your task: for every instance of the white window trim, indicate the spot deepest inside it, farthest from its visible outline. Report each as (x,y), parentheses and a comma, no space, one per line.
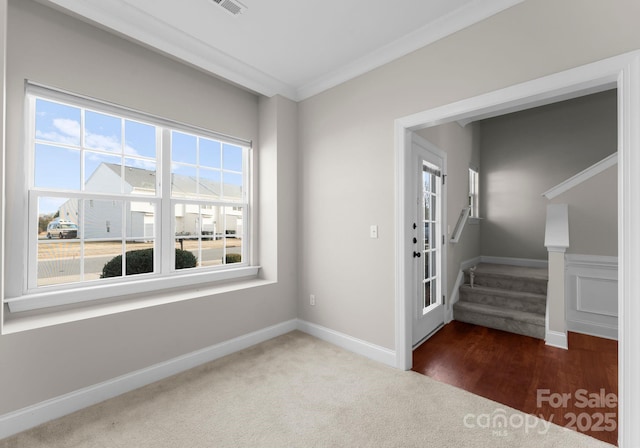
(474,207)
(141,284)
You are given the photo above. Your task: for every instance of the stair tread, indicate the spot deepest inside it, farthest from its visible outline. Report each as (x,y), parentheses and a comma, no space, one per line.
(504,292)
(523,316)
(510,271)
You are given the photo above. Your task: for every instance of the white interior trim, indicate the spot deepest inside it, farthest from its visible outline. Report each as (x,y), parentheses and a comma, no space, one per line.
(582,176)
(622,71)
(31,416)
(455,295)
(133,23)
(556,339)
(457,20)
(355,345)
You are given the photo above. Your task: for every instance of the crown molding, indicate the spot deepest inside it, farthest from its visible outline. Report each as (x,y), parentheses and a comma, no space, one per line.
(135,24)
(438,29)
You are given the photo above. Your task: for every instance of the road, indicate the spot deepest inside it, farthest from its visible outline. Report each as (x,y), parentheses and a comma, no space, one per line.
(53,270)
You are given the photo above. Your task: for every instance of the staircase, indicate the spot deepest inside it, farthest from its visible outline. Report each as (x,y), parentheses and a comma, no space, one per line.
(505,297)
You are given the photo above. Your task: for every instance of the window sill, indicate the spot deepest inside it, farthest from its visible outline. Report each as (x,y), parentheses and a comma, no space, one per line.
(30,321)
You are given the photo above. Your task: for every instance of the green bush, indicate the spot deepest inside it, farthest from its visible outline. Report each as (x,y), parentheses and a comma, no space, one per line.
(232,258)
(185,259)
(141,261)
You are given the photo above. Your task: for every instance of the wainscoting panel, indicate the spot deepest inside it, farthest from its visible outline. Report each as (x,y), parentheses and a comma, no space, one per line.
(592,295)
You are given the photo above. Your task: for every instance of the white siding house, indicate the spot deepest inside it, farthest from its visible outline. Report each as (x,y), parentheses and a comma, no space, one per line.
(105,219)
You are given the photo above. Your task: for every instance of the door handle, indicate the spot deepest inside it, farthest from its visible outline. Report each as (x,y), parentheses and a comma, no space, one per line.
(416,254)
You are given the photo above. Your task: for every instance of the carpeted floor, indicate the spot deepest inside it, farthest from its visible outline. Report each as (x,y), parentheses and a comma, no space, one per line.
(298,391)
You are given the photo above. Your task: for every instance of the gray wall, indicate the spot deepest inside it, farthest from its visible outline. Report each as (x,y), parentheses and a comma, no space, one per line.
(525,154)
(347,143)
(593,215)
(53,49)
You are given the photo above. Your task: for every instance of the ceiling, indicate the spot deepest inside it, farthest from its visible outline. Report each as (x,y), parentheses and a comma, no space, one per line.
(295,48)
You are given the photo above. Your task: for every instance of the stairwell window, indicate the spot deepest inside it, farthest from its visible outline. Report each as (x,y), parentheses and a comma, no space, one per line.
(119,201)
(474,205)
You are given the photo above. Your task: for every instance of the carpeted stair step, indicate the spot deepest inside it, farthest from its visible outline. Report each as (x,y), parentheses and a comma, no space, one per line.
(500,318)
(504,298)
(514,278)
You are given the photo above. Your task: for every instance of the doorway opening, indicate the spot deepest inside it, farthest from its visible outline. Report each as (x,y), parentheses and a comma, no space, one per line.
(622,72)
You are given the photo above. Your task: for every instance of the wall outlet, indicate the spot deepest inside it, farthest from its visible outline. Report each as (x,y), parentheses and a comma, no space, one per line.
(373,231)
(312,300)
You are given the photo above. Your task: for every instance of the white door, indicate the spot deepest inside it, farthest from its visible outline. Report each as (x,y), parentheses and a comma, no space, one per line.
(428,242)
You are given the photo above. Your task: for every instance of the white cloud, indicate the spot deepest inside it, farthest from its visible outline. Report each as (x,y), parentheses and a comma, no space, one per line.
(67,127)
(67,132)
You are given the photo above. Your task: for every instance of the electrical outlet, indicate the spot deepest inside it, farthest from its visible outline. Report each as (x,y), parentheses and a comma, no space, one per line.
(312,300)
(373,231)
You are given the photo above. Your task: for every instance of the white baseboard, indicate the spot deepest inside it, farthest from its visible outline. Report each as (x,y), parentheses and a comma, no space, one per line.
(470,263)
(556,339)
(31,416)
(455,295)
(527,262)
(364,348)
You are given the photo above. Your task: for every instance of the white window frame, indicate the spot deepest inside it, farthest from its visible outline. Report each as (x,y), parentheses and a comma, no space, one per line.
(474,193)
(165,275)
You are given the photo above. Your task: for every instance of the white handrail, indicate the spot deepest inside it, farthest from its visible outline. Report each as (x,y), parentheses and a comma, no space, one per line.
(462,220)
(582,176)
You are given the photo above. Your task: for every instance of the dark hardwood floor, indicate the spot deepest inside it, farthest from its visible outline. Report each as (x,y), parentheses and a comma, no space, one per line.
(517,371)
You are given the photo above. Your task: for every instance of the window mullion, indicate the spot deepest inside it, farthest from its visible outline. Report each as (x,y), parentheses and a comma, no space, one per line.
(166,231)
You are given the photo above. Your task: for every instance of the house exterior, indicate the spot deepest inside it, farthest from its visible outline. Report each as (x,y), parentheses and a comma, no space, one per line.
(325,171)
(103,219)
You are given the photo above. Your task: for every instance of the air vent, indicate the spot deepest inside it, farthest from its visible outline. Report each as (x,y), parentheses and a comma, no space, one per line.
(233,7)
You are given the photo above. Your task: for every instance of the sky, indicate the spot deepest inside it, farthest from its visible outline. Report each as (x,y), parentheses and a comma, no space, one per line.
(108,139)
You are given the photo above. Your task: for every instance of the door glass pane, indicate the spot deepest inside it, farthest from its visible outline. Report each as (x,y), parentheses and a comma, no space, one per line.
(427,262)
(427,207)
(427,234)
(433,263)
(427,293)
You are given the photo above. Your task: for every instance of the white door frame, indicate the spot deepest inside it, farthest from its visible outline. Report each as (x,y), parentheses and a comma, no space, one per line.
(622,72)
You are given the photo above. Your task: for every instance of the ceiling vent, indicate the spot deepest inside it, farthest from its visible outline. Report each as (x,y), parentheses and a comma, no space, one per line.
(233,7)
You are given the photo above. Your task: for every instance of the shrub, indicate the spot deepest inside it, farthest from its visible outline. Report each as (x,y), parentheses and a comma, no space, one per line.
(185,259)
(232,258)
(141,261)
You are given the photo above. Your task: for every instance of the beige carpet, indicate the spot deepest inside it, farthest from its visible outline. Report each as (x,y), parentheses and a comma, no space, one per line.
(297,391)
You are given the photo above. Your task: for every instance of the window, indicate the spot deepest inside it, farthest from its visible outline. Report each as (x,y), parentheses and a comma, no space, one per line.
(474,207)
(116,196)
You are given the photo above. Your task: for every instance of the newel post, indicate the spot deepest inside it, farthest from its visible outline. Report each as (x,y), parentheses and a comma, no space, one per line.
(556,241)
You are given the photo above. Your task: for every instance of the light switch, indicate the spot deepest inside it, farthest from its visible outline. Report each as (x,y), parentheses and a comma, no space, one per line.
(373,231)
